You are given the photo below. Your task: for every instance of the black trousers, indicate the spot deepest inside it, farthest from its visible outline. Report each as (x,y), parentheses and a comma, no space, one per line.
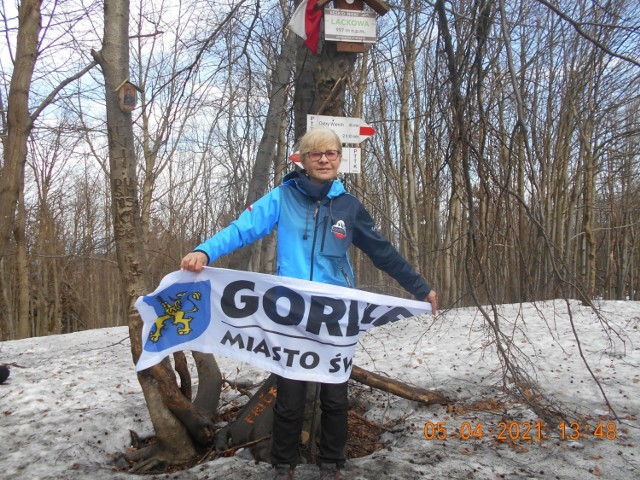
(288,415)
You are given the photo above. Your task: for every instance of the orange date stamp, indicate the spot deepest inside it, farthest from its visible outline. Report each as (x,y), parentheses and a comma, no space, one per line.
(512,431)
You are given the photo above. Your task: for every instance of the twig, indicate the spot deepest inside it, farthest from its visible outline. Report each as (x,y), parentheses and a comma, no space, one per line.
(231,450)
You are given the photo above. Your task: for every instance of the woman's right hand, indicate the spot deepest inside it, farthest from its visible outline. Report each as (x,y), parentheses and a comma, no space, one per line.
(194,262)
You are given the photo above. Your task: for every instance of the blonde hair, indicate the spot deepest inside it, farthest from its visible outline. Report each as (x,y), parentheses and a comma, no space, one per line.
(319,139)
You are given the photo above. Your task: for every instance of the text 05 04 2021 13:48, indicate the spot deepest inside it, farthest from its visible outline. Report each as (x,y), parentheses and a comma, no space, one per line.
(519,431)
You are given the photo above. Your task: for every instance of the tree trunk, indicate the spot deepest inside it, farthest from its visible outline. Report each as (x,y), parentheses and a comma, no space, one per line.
(23,327)
(409,207)
(19,125)
(174,443)
(320,83)
(455,228)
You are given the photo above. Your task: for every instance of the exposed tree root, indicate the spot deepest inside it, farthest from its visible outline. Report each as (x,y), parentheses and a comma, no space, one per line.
(155,458)
(180,365)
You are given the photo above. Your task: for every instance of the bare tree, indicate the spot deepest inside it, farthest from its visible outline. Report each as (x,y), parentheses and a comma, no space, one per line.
(17,126)
(179,423)
(175,418)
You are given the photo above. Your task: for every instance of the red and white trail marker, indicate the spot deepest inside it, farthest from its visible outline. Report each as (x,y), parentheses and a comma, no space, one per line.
(366,131)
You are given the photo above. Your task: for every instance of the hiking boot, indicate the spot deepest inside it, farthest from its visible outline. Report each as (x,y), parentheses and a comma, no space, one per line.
(330,472)
(283,472)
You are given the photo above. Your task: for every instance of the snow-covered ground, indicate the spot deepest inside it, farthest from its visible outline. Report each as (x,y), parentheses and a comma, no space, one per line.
(71,400)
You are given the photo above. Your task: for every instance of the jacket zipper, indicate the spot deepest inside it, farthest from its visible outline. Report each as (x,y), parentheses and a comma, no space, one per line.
(325,220)
(315,237)
(346,277)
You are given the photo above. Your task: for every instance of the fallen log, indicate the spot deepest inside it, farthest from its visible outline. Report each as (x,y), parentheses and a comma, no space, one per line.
(396,387)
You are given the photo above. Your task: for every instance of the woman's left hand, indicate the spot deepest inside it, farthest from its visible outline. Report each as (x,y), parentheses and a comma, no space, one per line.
(432,298)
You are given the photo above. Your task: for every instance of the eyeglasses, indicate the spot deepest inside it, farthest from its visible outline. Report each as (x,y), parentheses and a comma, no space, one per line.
(316,156)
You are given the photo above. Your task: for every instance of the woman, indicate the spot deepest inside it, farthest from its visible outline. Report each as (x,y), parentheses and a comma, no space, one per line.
(317,222)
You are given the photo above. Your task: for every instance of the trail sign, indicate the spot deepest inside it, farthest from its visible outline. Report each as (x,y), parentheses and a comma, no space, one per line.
(350,129)
(356,27)
(349,26)
(351,160)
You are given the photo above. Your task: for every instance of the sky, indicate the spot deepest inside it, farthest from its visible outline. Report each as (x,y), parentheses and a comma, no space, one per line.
(68,406)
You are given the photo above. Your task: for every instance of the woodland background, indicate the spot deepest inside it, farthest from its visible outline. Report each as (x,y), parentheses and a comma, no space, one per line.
(505,166)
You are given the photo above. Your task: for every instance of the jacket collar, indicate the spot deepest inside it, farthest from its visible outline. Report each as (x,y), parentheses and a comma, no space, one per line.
(313,190)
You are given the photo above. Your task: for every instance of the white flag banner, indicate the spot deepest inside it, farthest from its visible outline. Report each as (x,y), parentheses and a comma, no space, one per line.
(297,24)
(295,328)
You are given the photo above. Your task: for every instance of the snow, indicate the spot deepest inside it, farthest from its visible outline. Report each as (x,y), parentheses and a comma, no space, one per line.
(71,400)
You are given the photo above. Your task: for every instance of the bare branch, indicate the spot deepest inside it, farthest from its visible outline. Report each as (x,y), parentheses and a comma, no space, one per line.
(585,35)
(47,101)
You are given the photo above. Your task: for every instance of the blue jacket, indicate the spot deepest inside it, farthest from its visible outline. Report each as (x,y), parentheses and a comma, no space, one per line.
(316,225)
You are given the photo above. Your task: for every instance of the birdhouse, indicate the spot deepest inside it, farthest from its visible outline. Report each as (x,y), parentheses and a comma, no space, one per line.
(378,6)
